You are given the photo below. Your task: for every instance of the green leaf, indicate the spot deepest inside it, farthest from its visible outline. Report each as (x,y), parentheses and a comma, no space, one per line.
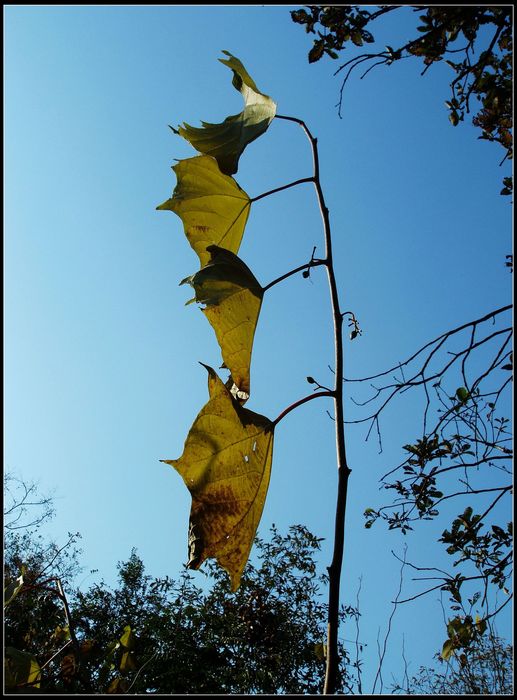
(480,625)
(467,513)
(21,670)
(462,394)
(61,634)
(453,626)
(226,141)
(455,593)
(356,37)
(447,650)
(226,466)
(212,206)
(411,448)
(320,650)
(12,589)
(233,298)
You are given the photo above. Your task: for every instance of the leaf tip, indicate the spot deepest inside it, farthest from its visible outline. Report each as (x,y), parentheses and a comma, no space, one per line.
(209,369)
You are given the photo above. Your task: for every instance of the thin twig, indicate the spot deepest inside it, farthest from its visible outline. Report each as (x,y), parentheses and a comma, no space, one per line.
(300,268)
(281,188)
(388,631)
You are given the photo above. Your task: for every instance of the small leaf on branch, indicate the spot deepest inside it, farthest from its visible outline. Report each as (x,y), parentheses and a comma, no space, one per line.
(12,589)
(317,51)
(462,394)
(212,206)
(454,118)
(447,650)
(226,465)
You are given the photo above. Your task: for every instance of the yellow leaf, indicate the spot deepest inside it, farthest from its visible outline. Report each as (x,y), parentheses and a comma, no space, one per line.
(447,650)
(128,638)
(233,298)
(226,141)
(226,465)
(61,634)
(212,206)
(128,662)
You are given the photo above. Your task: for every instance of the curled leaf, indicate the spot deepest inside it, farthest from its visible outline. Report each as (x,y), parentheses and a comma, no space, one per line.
(212,206)
(226,141)
(226,465)
(232,298)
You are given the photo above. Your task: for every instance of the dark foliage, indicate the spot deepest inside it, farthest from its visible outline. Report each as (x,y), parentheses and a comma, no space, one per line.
(474,41)
(170,636)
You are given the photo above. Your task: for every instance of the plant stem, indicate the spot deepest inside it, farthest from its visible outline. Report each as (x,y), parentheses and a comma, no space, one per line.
(300,402)
(73,638)
(332,670)
(279,189)
(62,597)
(307,266)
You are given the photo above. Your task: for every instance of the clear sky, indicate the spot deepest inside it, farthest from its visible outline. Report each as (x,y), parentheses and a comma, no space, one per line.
(101,356)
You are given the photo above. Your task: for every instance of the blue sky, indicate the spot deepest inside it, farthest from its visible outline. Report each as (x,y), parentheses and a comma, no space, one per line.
(101,356)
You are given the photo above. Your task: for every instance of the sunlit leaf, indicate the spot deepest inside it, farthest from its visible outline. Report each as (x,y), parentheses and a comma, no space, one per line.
(12,589)
(21,669)
(232,298)
(480,625)
(61,634)
(226,141)
(226,465)
(212,206)
(128,638)
(447,650)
